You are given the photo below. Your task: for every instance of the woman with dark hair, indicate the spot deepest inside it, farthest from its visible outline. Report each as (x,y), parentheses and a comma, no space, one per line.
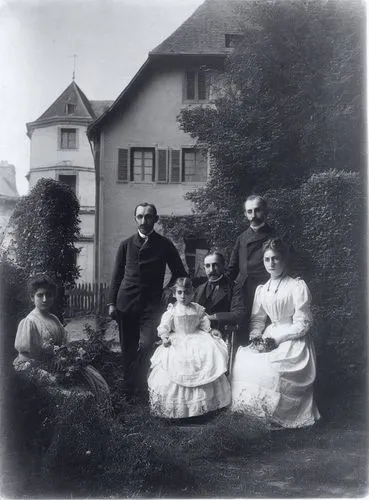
(273,376)
(40,336)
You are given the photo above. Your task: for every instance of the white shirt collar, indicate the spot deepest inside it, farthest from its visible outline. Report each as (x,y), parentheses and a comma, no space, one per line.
(255,229)
(145,236)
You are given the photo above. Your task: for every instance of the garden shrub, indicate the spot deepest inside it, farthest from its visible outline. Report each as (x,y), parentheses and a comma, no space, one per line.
(333,222)
(324,221)
(77,448)
(46,228)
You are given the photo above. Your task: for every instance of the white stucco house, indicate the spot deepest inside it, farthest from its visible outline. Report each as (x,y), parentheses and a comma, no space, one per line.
(140,152)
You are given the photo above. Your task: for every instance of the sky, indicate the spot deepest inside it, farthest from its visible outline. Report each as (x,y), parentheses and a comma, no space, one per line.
(38,38)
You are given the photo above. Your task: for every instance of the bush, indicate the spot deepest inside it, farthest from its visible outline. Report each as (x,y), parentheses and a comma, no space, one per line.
(46,228)
(333,216)
(324,221)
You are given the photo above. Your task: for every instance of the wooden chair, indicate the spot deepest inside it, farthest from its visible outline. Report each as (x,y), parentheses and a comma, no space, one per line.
(230,331)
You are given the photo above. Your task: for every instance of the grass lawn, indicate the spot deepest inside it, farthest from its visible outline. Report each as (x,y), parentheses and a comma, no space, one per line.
(224,456)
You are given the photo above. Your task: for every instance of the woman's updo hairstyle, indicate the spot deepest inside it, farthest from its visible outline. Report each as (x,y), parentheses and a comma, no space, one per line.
(184,283)
(41,281)
(277,245)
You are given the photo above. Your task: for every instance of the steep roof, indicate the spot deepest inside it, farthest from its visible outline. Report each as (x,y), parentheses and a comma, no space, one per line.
(202,35)
(99,107)
(85,110)
(204,31)
(71,95)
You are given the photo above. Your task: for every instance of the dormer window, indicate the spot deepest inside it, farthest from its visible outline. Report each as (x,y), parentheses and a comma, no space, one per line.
(70,109)
(231,40)
(196,85)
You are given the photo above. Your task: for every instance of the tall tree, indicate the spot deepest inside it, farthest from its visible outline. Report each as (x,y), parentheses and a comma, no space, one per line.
(291,101)
(46,228)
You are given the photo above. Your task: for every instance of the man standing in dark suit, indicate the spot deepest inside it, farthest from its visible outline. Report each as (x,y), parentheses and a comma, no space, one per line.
(246,264)
(136,290)
(222,303)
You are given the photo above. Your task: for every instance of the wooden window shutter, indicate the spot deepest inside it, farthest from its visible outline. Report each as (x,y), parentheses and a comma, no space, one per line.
(162,165)
(175,170)
(202,85)
(122,164)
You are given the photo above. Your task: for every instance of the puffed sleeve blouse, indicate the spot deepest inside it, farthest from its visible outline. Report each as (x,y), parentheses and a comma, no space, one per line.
(37,334)
(288,309)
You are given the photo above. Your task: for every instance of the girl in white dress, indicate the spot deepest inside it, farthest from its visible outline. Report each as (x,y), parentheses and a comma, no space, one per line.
(187,376)
(273,376)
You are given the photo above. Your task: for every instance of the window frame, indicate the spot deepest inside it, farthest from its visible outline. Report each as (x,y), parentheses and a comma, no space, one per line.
(67,130)
(67,112)
(193,149)
(196,71)
(69,173)
(134,149)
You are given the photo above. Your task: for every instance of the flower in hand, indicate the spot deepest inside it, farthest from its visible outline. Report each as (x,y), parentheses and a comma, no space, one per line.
(263,345)
(269,344)
(166,341)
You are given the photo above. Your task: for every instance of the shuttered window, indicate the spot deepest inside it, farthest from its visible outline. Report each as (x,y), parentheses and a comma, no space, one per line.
(162,165)
(175,166)
(194,165)
(143,164)
(123,165)
(196,85)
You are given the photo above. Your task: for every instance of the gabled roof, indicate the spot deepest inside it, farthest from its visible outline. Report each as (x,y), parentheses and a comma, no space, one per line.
(201,35)
(99,107)
(85,111)
(71,95)
(204,31)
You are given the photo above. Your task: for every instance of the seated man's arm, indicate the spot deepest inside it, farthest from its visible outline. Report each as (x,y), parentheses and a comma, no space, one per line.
(237,309)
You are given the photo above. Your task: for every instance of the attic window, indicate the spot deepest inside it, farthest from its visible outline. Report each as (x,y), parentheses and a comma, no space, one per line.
(70,109)
(231,39)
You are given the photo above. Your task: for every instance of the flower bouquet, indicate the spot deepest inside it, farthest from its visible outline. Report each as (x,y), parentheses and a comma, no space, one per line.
(261,344)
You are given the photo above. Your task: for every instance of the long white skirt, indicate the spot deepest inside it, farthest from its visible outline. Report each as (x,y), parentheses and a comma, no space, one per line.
(188,378)
(276,386)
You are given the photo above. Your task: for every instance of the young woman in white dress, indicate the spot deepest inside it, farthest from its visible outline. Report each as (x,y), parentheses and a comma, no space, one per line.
(273,376)
(187,376)
(40,335)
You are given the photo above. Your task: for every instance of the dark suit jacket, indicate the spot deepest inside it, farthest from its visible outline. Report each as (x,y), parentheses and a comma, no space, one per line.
(226,302)
(138,274)
(247,260)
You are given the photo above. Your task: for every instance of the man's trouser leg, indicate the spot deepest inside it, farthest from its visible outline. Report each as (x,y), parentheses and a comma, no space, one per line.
(148,334)
(129,333)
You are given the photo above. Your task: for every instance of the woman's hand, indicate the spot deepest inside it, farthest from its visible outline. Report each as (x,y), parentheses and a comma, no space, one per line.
(260,344)
(269,344)
(166,341)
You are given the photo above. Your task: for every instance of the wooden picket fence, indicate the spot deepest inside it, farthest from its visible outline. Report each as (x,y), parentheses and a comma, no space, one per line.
(88,298)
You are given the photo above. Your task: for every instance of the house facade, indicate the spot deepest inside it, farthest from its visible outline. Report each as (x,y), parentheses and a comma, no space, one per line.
(60,150)
(141,154)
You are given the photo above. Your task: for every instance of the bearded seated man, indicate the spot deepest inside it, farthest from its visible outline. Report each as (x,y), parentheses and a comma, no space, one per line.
(223,301)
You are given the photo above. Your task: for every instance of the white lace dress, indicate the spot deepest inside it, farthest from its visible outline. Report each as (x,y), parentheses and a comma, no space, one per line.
(278,385)
(187,378)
